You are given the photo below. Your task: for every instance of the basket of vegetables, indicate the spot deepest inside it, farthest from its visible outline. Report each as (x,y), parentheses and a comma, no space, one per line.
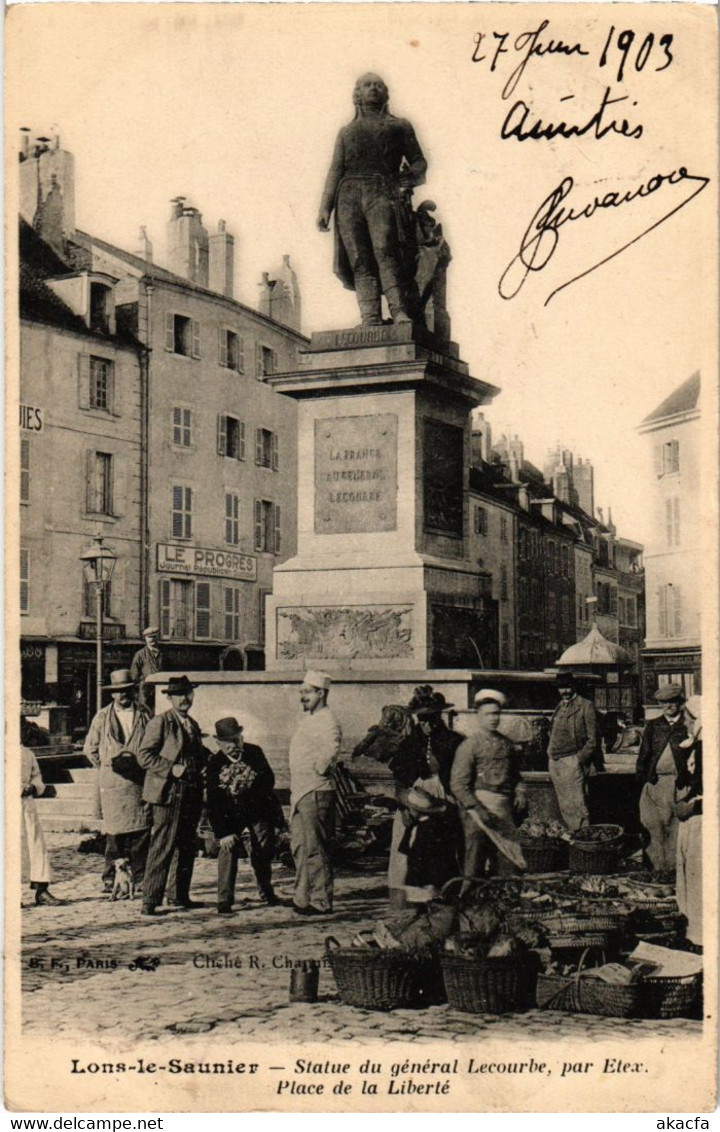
(544,845)
(613,991)
(483,977)
(385,978)
(595,849)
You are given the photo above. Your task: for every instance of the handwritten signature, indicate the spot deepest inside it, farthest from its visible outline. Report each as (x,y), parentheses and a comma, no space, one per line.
(542,237)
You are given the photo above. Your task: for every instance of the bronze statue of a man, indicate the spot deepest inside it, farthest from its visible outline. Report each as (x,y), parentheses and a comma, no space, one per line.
(376,164)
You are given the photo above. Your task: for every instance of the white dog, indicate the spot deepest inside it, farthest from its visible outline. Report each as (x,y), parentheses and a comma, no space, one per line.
(123,885)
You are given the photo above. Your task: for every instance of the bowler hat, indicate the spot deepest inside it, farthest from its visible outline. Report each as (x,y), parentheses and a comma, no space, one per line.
(119,681)
(670,693)
(227,728)
(565,680)
(178,686)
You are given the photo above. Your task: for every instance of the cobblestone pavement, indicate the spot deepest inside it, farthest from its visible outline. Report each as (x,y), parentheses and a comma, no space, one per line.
(229,975)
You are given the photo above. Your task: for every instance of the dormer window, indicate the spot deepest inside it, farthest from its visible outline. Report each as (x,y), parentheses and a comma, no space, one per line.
(101,307)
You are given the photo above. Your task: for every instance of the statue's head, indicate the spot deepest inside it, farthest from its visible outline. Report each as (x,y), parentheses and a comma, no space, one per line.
(370,93)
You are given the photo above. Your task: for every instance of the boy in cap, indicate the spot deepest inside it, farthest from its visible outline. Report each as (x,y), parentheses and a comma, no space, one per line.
(660,759)
(314,749)
(486,782)
(172,754)
(243,811)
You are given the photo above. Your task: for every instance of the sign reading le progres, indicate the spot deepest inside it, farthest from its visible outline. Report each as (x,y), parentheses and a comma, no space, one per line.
(172,559)
(356,474)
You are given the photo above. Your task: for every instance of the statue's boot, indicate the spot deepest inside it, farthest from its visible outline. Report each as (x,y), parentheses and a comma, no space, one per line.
(368,297)
(396,303)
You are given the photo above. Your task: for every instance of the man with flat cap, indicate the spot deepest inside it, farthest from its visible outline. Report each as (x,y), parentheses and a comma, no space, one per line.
(111,745)
(243,811)
(660,760)
(485,781)
(314,749)
(147,661)
(572,747)
(173,756)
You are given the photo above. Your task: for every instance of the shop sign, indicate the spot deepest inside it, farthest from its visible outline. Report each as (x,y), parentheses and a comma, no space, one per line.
(31,418)
(201,560)
(32,652)
(88,631)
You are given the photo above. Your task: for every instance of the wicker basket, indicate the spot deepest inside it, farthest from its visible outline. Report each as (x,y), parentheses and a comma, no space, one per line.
(484,986)
(596,856)
(582,994)
(548,856)
(676,997)
(384,980)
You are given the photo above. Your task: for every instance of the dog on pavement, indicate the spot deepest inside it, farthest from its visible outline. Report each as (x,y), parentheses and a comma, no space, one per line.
(123,887)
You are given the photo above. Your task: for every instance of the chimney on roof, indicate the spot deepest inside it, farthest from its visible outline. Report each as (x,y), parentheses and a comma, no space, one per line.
(222,261)
(280,295)
(187,243)
(480,438)
(516,458)
(47,189)
(144,248)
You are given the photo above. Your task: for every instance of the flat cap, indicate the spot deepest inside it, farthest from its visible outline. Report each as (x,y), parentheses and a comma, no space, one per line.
(670,692)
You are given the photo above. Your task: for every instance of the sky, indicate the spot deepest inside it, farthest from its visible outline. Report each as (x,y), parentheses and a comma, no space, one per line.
(236,107)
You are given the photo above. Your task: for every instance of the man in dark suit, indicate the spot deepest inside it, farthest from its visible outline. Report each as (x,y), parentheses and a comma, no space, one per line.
(147,661)
(660,760)
(244,813)
(572,747)
(173,757)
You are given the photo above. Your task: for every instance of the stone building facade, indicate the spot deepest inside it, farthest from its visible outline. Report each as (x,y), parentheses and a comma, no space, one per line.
(672,650)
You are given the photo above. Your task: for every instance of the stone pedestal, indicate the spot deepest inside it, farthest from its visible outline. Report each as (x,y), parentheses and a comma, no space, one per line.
(382,575)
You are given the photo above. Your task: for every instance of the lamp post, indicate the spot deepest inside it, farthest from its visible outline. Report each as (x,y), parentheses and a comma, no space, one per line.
(98,563)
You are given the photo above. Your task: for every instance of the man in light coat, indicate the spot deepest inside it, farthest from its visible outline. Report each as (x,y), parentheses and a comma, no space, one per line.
(572,747)
(174,758)
(32,787)
(111,745)
(314,749)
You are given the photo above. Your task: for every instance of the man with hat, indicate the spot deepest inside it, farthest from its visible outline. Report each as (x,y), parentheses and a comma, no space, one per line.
(314,749)
(485,781)
(243,811)
(147,660)
(111,745)
(174,758)
(660,760)
(572,747)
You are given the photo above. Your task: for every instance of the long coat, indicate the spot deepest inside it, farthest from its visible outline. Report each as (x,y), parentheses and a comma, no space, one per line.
(146,663)
(165,743)
(121,801)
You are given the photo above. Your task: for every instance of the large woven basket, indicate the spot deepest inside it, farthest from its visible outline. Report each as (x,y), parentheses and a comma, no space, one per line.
(484,986)
(550,856)
(596,856)
(582,994)
(384,980)
(676,997)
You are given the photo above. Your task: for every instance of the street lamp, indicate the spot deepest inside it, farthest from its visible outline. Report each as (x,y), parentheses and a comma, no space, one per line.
(98,563)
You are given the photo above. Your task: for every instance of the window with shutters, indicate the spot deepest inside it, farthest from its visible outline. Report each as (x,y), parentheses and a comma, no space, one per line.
(202,611)
(101,383)
(176,600)
(231,350)
(231,437)
(267,526)
(265,360)
(672,521)
(503,582)
(667,458)
(99,484)
(182,427)
(232,518)
(182,501)
(232,613)
(503,528)
(182,335)
(669,611)
(89,599)
(24,580)
(266,449)
(25,469)
(481,521)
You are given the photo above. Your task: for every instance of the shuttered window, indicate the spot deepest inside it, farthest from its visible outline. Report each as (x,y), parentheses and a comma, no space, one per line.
(267,526)
(99,483)
(182,427)
(182,500)
(24,469)
(266,449)
(232,613)
(230,437)
(670,622)
(232,518)
(672,521)
(24,580)
(202,610)
(182,335)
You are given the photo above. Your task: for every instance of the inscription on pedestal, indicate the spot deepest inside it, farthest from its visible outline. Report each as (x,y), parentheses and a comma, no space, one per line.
(351,632)
(356,474)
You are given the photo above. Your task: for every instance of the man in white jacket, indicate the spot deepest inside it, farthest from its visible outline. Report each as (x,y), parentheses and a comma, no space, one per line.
(33,787)
(314,748)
